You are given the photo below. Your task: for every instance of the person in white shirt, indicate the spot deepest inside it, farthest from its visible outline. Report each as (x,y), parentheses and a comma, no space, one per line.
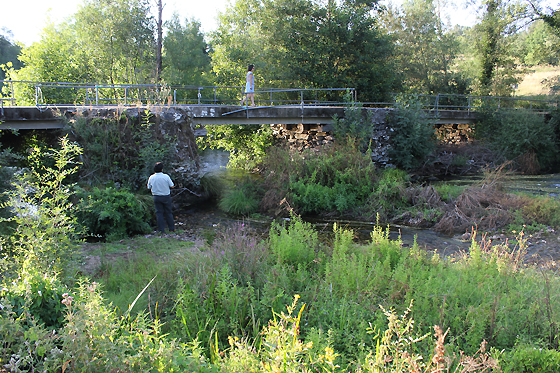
(159,183)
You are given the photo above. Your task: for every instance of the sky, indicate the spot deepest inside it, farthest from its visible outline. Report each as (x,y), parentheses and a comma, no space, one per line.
(27,18)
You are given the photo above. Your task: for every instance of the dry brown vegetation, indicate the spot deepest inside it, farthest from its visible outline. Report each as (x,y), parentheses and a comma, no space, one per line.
(485,205)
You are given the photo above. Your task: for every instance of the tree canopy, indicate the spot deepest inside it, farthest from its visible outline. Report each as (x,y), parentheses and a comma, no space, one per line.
(294,44)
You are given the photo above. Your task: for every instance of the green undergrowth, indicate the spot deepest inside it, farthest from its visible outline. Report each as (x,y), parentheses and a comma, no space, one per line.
(284,302)
(223,306)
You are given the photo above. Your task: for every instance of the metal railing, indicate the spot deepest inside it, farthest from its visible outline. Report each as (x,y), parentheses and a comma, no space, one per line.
(43,94)
(469,103)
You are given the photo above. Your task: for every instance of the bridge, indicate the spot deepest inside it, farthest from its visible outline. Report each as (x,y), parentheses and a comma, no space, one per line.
(220,105)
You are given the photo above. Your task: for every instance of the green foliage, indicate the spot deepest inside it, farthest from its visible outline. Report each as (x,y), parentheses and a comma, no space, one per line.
(526,358)
(9,52)
(95,338)
(515,133)
(425,53)
(42,212)
(25,343)
(243,252)
(122,150)
(497,70)
(388,193)
(8,160)
(338,179)
(413,137)
(317,45)
(186,60)
(354,125)
(536,213)
(239,201)
(538,45)
(37,294)
(448,192)
(113,213)
(295,244)
(247,144)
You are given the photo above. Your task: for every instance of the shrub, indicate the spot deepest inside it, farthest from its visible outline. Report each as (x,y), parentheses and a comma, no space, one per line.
(525,358)
(518,133)
(413,136)
(95,338)
(38,294)
(122,149)
(113,213)
(354,125)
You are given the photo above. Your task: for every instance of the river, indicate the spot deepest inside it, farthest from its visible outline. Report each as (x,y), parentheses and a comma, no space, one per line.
(542,247)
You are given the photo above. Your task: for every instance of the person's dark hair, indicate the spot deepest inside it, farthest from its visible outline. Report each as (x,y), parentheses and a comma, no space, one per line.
(158,167)
(250,67)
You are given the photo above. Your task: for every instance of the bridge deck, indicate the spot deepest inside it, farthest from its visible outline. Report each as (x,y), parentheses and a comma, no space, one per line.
(32,117)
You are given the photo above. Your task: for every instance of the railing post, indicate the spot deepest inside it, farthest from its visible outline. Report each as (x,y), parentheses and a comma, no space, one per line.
(470,101)
(437,104)
(215,96)
(199,95)
(13,96)
(125,95)
(96,95)
(174,97)
(301,99)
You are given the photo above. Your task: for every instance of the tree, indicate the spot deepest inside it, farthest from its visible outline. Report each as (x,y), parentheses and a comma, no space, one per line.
(498,69)
(119,36)
(425,50)
(538,45)
(316,45)
(58,57)
(8,52)
(186,60)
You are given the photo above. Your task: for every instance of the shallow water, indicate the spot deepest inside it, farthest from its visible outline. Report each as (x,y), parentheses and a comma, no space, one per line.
(532,184)
(540,247)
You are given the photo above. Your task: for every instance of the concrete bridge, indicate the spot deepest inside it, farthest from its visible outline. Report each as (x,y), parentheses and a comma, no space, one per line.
(53,117)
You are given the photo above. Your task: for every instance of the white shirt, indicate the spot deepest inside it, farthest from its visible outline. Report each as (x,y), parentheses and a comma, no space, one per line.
(160,183)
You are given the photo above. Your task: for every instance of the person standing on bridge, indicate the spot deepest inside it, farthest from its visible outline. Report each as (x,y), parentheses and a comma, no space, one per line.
(249,86)
(159,183)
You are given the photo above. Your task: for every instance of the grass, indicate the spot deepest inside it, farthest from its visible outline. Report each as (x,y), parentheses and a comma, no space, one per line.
(532,82)
(123,269)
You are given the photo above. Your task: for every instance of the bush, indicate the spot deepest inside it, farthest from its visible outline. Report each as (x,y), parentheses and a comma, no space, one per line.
(37,294)
(339,178)
(528,359)
(517,134)
(413,137)
(113,213)
(121,149)
(354,125)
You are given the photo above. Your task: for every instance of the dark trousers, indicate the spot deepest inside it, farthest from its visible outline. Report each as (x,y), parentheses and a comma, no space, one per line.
(164,213)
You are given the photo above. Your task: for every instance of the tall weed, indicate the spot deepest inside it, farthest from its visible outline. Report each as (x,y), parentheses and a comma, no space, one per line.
(42,212)
(295,244)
